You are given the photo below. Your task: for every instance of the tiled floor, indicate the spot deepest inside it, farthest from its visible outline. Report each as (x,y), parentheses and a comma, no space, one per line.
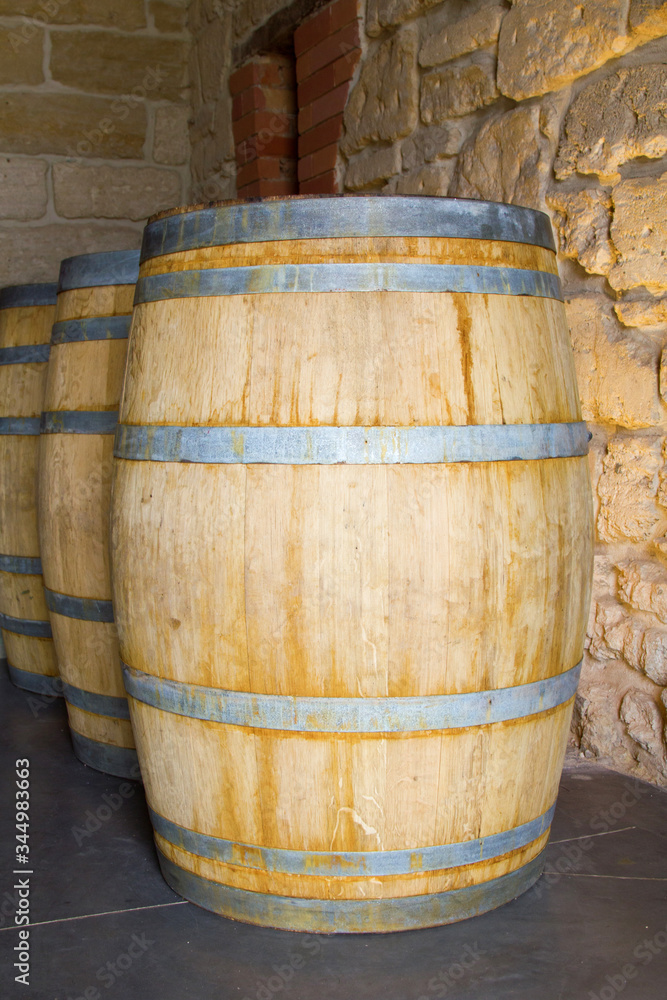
(105,925)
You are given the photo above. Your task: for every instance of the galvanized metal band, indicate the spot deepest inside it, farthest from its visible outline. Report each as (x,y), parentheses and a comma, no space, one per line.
(88,270)
(79,422)
(347,278)
(327,218)
(351,445)
(119,761)
(351,715)
(26,626)
(28,354)
(88,609)
(20,425)
(72,331)
(351,916)
(37,683)
(352,864)
(98,704)
(19,296)
(20,564)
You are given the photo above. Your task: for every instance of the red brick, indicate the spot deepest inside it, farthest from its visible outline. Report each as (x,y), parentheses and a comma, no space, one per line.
(322,135)
(242,78)
(342,12)
(328,78)
(272,71)
(264,123)
(318,163)
(331,49)
(266,188)
(264,168)
(276,145)
(324,184)
(324,107)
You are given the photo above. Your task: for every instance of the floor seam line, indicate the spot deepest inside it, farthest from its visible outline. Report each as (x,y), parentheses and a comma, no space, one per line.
(105,913)
(588,836)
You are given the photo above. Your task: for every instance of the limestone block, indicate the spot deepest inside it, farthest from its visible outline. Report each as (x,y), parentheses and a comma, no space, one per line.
(126,15)
(639,233)
(171,142)
(546,44)
(381,14)
(431,179)
(21,55)
(106,63)
(648,19)
(457,91)
(429,145)
(460,28)
(627,489)
(643,312)
(373,168)
(643,586)
(613,633)
(23,193)
(644,723)
(616,374)
(615,120)
(507,161)
(214,54)
(384,103)
(582,222)
(71,125)
(83,192)
(169,17)
(33,253)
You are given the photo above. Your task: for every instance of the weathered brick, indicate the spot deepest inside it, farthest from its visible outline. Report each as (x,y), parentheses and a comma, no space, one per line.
(320,136)
(169,17)
(82,192)
(334,16)
(323,108)
(171,143)
(275,145)
(330,49)
(264,123)
(21,54)
(263,168)
(23,193)
(71,125)
(269,188)
(324,184)
(318,163)
(127,15)
(34,253)
(105,63)
(328,78)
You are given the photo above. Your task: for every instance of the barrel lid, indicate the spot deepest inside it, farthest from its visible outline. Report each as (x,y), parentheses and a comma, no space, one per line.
(330,216)
(16,296)
(114,267)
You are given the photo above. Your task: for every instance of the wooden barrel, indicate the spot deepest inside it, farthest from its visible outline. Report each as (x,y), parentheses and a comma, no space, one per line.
(352,551)
(88,351)
(26,316)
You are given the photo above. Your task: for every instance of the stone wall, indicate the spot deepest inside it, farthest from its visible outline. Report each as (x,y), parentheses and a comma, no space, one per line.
(93,126)
(561,106)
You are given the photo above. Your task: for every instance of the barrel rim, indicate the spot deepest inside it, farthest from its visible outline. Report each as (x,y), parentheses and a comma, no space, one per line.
(335,216)
(89,270)
(33,294)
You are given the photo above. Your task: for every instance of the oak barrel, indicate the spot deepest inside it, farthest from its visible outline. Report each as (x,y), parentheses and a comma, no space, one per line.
(352,551)
(26,316)
(88,351)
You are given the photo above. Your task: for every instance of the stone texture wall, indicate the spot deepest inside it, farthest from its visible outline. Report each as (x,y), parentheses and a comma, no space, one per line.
(561,106)
(93,126)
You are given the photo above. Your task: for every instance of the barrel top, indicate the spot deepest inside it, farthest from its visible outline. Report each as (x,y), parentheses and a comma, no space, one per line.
(330,216)
(88,270)
(16,296)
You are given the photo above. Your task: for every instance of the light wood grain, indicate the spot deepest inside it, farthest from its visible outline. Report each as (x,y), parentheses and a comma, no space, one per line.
(22,395)
(75,489)
(351,581)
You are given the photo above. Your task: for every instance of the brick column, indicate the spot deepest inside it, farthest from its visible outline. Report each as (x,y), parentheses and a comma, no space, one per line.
(327,48)
(264,125)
